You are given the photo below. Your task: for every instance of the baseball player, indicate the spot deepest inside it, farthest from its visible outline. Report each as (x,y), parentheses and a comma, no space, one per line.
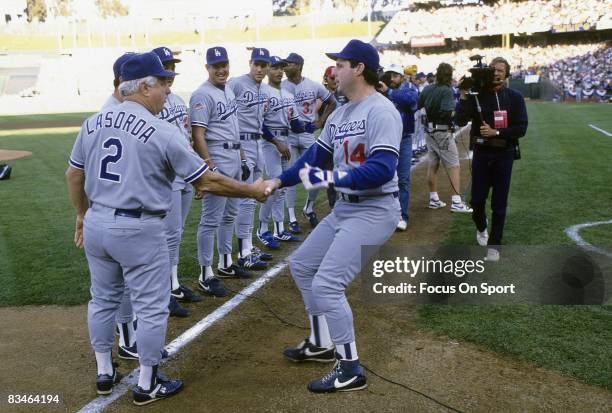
(216,138)
(252,103)
(363,139)
(281,116)
(306,93)
(120,177)
(175,112)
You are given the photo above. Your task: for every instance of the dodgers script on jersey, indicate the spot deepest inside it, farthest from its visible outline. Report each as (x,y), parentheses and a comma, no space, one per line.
(252,102)
(358,129)
(130,158)
(306,94)
(215,109)
(281,110)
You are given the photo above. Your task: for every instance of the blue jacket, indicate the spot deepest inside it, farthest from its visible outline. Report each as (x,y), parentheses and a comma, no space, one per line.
(405,99)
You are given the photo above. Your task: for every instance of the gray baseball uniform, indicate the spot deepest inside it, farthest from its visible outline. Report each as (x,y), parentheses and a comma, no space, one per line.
(331,257)
(130,159)
(281,110)
(252,102)
(214,108)
(305,94)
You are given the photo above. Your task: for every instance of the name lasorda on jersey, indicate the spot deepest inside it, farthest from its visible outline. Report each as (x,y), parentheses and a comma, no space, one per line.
(347,129)
(132,124)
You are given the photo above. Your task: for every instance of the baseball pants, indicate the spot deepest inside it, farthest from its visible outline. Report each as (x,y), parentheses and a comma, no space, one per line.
(275,165)
(298,144)
(246,212)
(175,220)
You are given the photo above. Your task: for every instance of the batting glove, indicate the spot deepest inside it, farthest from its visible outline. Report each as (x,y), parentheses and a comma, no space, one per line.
(315,177)
(309,127)
(246,172)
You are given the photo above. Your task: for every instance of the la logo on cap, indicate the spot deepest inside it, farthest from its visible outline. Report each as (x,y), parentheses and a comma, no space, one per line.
(167,52)
(261,53)
(217,53)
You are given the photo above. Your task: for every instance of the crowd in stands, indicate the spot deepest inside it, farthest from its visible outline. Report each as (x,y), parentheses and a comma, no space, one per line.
(484,20)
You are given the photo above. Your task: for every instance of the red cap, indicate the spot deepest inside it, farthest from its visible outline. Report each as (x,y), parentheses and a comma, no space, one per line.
(328,71)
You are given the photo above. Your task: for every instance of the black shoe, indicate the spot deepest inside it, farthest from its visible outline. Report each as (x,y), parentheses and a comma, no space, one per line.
(185,295)
(162,389)
(294,227)
(234,271)
(306,351)
(264,256)
(131,353)
(105,382)
(312,218)
(347,375)
(177,310)
(213,286)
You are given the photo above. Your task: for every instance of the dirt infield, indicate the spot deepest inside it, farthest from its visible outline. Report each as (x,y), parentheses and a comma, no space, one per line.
(236,365)
(7,154)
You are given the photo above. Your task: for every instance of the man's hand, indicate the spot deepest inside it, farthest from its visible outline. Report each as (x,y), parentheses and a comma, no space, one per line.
(210,164)
(282,149)
(486,131)
(198,195)
(272,185)
(78,232)
(261,190)
(382,87)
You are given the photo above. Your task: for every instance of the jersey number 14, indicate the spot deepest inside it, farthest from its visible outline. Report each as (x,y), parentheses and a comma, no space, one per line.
(357,155)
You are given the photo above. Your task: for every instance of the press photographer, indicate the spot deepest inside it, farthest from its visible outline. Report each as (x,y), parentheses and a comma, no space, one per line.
(499,119)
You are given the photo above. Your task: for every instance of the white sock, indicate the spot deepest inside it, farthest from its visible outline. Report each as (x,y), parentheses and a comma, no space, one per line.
(347,351)
(105,363)
(126,334)
(247,245)
(319,331)
(263,227)
(292,217)
(279,228)
(433,196)
(145,380)
(174,281)
(207,273)
(225,261)
(456,199)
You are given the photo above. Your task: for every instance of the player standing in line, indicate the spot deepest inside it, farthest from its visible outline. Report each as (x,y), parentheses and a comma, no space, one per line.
(306,93)
(120,177)
(281,116)
(216,138)
(363,139)
(176,112)
(252,103)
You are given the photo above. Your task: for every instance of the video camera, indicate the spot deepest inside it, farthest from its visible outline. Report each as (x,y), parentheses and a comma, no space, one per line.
(481,79)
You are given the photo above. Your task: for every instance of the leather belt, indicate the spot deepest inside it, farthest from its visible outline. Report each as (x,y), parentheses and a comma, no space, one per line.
(355,199)
(138,213)
(231,145)
(250,136)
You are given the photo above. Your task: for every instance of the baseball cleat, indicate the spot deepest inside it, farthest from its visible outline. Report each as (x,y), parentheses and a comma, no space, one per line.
(177,310)
(105,382)
(213,286)
(268,240)
(436,204)
(185,295)
(162,389)
(312,218)
(252,262)
(294,227)
(131,353)
(264,256)
(306,351)
(460,207)
(482,237)
(286,236)
(346,375)
(402,225)
(234,271)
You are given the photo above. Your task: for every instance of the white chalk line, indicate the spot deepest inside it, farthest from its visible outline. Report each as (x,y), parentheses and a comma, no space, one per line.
(572,232)
(101,402)
(600,130)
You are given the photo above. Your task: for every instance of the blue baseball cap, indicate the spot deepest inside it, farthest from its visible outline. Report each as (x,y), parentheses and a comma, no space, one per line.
(119,62)
(165,55)
(277,61)
(420,75)
(141,65)
(260,54)
(360,52)
(294,58)
(430,74)
(216,55)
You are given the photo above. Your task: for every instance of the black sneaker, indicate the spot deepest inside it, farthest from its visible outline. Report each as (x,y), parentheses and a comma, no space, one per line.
(294,227)
(213,286)
(347,375)
(264,256)
(185,295)
(234,271)
(252,262)
(177,310)
(131,353)
(163,388)
(312,218)
(306,351)
(105,382)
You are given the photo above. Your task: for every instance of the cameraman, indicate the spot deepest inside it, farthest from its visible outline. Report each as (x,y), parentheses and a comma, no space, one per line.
(404,97)
(495,144)
(438,101)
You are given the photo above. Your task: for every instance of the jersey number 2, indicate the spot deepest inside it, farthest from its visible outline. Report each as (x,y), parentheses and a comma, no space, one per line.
(358,154)
(111,159)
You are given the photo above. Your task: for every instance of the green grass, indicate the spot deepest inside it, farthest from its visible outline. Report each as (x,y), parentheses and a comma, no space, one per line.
(562,180)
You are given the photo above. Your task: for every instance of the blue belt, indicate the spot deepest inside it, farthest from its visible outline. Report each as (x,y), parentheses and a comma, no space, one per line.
(250,136)
(231,145)
(281,132)
(355,199)
(137,213)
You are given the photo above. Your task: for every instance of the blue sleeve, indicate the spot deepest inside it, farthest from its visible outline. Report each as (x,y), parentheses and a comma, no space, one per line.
(267,133)
(316,155)
(463,112)
(403,96)
(517,119)
(297,126)
(377,170)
